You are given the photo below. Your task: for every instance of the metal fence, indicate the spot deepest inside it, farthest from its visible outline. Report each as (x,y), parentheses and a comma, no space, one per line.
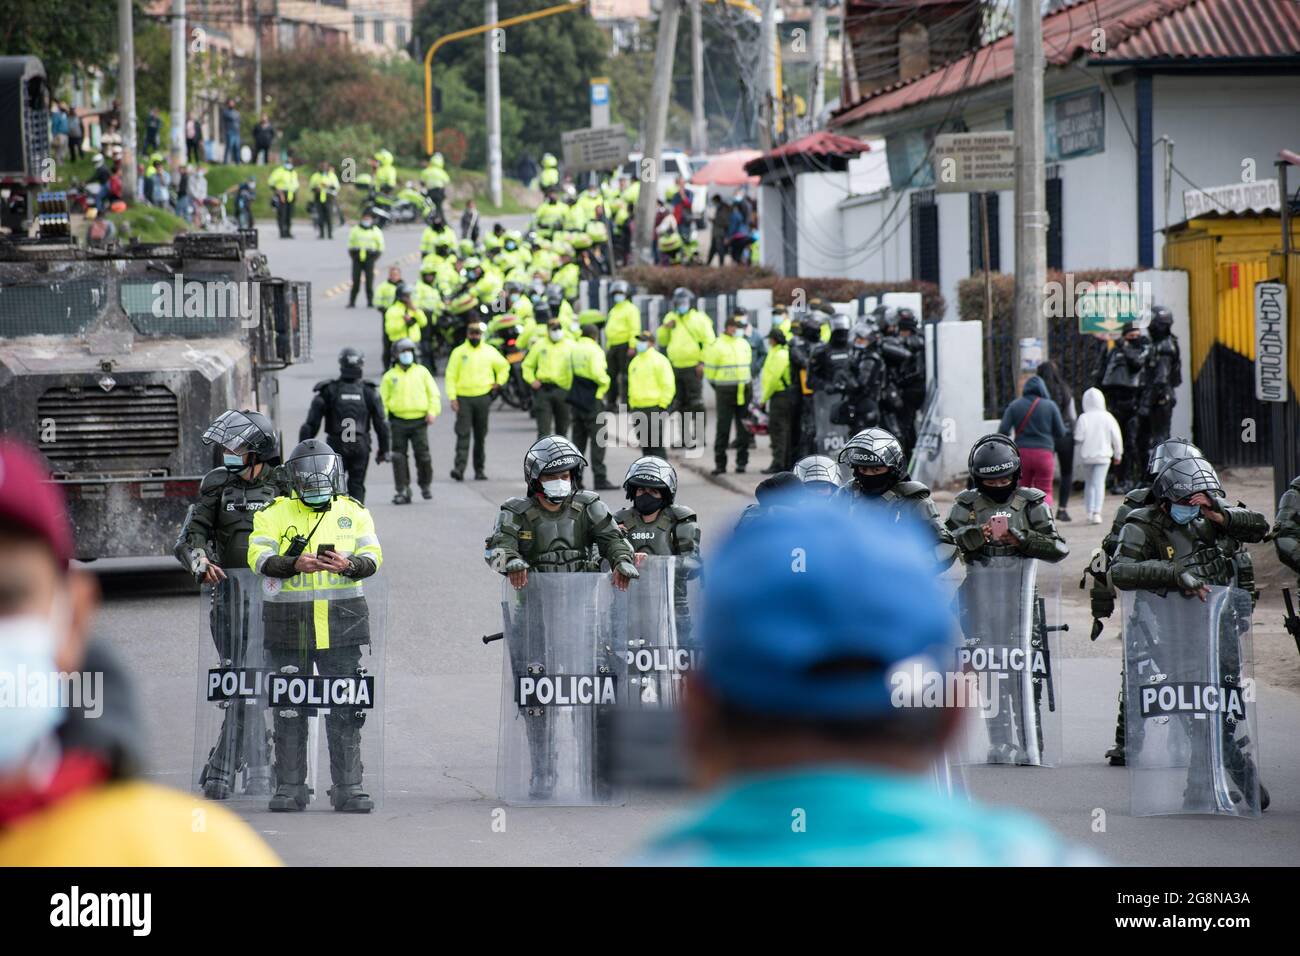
(1079,357)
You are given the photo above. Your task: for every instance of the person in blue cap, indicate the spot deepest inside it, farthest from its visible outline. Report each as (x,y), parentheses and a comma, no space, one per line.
(792,723)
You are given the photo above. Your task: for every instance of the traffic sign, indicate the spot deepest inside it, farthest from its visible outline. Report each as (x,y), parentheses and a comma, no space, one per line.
(1105,307)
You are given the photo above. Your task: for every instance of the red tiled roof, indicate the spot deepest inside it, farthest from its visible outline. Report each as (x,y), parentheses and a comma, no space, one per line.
(821,144)
(1133,30)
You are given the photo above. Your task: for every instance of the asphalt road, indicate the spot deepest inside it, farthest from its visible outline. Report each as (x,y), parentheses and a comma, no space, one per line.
(444,685)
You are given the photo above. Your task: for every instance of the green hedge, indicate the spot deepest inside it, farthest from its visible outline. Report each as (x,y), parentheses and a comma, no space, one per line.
(704,280)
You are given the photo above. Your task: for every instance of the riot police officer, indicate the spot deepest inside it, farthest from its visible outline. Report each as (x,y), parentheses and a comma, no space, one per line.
(996,518)
(656,524)
(556,528)
(830,370)
(868,378)
(213,537)
(1121,381)
(879,477)
(911,377)
(808,327)
(1162,374)
(350,407)
(818,474)
(317,617)
(1286,527)
(1185,541)
(1102,596)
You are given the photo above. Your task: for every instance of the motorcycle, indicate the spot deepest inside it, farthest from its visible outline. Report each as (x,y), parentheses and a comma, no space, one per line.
(505,337)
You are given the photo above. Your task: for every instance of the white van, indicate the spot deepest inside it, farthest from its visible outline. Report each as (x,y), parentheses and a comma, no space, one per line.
(672,163)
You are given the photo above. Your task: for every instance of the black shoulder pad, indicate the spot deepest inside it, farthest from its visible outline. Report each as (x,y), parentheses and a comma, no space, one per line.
(1145,515)
(216,479)
(911,489)
(626,516)
(517,505)
(368,384)
(321,384)
(1138,497)
(967,497)
(681,513)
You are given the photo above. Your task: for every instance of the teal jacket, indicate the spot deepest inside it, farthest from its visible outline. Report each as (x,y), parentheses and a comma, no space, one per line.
(850,816)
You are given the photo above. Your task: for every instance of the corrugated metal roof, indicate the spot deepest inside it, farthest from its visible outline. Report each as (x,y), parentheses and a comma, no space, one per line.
(821,144)
(1132,30)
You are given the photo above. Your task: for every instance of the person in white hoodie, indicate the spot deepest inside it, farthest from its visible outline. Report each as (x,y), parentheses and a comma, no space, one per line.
(1098,444)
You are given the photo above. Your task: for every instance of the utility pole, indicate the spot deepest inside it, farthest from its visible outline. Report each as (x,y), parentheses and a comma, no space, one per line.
(257,57)
(769,97)
(699,123)
(817,95)
(493,104)
(656,124)
(1031,187)
(126,93)
(179,45)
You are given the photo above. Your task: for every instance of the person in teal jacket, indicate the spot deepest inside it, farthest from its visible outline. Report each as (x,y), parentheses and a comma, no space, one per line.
(805,720)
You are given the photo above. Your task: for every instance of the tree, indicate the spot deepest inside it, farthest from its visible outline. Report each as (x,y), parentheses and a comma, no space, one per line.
(545,66)
(65,34)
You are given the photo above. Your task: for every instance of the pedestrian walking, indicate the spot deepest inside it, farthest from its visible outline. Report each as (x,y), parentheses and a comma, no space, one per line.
(1061,393)
(1034,422)
(1099,443)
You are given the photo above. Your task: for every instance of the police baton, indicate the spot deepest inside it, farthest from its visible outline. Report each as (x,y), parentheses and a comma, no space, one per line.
(489,638)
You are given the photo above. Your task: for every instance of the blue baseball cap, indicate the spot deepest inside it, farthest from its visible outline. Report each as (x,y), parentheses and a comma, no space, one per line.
(809,609)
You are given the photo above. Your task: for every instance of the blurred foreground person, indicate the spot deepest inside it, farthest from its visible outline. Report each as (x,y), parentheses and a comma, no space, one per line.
(69,788)
(791,721)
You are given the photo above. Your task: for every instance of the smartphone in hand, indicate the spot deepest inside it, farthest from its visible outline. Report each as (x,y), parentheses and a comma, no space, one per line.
(997,526)
(322,548)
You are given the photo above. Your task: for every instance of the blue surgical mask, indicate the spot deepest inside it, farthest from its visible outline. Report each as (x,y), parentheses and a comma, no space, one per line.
(619,297)
(683,309)
(642,346)
(406,358)
(1184,514)
(27,646)
(233,462)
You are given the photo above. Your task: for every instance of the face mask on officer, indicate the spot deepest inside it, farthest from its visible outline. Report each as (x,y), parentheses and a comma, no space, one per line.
(234,463)
(642,346)
(317,497)
(1184,514)
(406,358)
(556,333)
(367,223)
(873,484)
(647,501)
(557,488)
(619,297)
(998,493)
(474,340)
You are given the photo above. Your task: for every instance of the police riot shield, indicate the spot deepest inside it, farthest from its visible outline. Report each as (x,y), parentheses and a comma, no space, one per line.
(1009,610)
(291,691)
(830,437)
(658,642)
(1191,734)
(563,676)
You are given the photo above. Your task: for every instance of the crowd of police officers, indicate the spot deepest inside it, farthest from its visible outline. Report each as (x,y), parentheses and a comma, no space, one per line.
(1175,532)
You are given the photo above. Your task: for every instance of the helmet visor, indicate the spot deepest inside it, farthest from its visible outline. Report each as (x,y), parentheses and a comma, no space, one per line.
(235,432)
(317,477)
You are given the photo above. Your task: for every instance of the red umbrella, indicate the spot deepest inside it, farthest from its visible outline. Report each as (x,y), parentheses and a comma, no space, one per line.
(727,169)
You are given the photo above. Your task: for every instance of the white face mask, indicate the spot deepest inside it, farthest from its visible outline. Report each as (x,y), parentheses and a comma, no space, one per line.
(642,346)
(406,358)
(556,334)
(27,645)
(557,489)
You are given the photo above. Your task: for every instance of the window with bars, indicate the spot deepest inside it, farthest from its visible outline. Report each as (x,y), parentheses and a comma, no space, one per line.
(925,236)
(992,203)
(1055,250)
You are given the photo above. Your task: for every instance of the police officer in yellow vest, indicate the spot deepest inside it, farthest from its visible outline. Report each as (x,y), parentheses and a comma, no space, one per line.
(436,180)
(622,327)
(284,182)
(727,363)
(324,187)
(411,397)
(586,395)
(548,368)
(685,333)
(475,371)
(385,296)
(317,616)
(404,320)
(365,246)
(650,391)
(781,396)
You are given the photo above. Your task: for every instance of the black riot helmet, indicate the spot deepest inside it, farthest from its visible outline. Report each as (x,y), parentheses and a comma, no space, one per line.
(1181,479)
(555,297)
(874,448)
(992,457)
(548,456)
(650,471)
(818,473)
(810,326)
(1160,322)
(245,432)
(1170,450)
(839,329)
(886,317)
(350,362)
(316,472)
(907,320)
(865,331)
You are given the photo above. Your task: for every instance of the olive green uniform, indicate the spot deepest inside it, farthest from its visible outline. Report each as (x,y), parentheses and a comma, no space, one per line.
(911,500)
(1157,554)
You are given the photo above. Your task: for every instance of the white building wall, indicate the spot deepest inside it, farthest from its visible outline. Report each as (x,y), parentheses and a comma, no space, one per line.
(770,217)
(821,234)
